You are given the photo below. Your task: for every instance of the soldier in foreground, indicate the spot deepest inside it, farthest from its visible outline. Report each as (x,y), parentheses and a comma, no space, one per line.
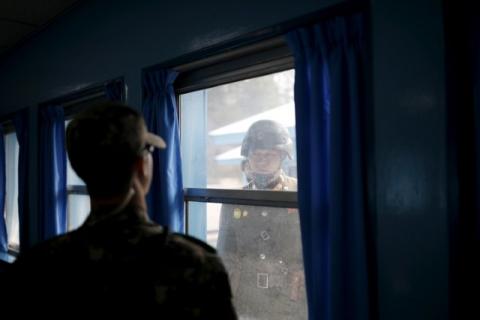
(261,246)
(119,260)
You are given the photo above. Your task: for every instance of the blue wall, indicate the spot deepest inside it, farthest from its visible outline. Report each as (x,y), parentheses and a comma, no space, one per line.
(101,40)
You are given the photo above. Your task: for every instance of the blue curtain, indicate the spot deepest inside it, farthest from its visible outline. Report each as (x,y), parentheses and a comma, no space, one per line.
(3,227)
(114,90)
(20,122)
(53,172)
(165,199)
(329,103)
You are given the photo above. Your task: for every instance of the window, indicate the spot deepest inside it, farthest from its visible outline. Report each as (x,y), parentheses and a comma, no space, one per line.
(78,201)
(237,121)
(11,191)
(214,124)
(215,121)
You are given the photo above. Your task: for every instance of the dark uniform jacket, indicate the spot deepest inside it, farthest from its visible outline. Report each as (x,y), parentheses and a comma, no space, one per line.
(124,263)
(261,248)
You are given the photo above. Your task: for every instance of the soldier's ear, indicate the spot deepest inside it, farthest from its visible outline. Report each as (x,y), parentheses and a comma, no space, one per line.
(139,192)
(139,168)
(143,170)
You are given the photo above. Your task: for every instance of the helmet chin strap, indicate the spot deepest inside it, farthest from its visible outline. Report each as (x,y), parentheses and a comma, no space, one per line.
(265,180)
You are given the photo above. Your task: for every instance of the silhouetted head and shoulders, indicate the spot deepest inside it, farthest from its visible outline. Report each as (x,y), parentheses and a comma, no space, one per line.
(119,258)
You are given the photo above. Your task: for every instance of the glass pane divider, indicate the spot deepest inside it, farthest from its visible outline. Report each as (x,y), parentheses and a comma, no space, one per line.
(283,199)
(77,189)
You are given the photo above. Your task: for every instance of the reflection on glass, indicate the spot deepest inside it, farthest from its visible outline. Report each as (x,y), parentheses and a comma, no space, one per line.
(11,190)
(240,134)
(261,249)
(77,210)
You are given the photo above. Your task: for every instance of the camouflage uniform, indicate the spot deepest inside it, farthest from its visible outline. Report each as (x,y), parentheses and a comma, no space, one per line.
(261,248)
(124,262)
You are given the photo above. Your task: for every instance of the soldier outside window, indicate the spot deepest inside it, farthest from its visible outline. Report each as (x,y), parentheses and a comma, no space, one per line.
(261,246)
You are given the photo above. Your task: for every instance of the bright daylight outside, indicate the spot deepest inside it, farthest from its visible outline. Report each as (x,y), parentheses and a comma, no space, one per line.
(241,136)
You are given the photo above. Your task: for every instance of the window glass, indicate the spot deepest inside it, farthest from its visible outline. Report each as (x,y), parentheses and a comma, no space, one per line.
(78,208)
(261,249)
(72,177)
(78,205)
(240,135)
(11,197)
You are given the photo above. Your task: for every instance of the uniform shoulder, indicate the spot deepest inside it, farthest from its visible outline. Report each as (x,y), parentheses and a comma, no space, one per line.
(190,252)
(193,243)
(290,182)
(44,251)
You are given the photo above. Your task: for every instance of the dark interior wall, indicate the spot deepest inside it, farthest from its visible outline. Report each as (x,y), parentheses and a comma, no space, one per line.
(101,40)
(410,145)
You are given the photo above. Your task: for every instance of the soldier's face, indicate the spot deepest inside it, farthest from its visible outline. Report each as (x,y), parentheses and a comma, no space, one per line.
(265,161)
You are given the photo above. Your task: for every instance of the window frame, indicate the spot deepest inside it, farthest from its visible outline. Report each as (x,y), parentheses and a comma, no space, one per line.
(264,57)
(264,198)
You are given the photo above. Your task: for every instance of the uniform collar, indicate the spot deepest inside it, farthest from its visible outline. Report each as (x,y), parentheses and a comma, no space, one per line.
(130,213)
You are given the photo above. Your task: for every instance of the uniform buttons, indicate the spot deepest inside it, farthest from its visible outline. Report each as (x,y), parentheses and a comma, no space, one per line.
(283,268)
(264,213)
(237,213)
(264,234)
(262,256)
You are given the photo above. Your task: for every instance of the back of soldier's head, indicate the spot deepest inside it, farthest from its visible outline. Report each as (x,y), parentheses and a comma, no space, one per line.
(103,143)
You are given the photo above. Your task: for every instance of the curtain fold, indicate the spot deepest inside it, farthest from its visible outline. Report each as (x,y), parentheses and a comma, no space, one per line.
(330,63)
(165,199)
(53,172)
(3,226)
(20,122)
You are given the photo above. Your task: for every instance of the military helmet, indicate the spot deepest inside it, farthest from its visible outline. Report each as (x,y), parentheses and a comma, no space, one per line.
(267,134)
